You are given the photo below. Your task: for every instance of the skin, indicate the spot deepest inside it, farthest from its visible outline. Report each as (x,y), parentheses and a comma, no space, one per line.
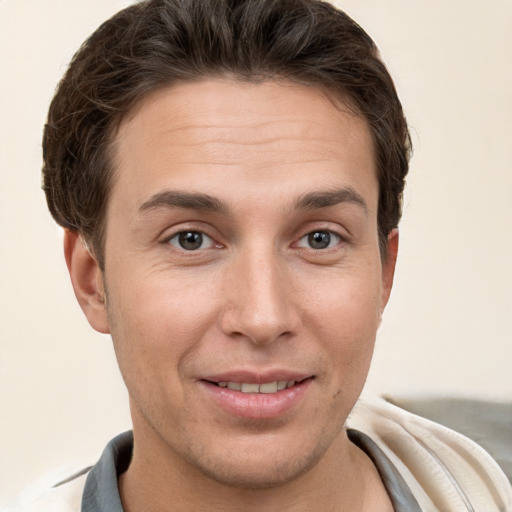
(255,296)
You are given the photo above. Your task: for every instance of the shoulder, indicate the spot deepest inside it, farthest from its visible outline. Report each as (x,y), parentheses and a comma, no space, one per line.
(93,488)
(66,497)
(445,470)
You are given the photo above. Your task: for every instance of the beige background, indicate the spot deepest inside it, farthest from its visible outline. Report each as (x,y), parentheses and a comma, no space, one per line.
(448,327)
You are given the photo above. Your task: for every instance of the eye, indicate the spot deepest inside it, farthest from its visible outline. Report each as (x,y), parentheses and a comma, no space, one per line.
(191,241)
(319,240)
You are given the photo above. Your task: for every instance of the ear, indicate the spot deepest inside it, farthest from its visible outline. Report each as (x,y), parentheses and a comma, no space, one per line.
(87,280)
(388,268)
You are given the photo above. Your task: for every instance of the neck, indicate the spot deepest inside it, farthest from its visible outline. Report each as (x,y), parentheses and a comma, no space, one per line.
(343,480)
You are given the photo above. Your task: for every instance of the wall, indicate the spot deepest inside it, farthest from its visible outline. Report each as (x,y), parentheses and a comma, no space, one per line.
(448,326)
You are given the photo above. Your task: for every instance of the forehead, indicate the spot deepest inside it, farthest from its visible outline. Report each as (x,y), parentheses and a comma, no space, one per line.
(221,133)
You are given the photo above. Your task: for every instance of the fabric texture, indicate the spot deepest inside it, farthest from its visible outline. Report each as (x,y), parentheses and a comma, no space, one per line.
(445,471)
(424,466)
(487,422)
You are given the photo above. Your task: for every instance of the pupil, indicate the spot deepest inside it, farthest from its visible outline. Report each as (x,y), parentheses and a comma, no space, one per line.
(319,239)
(190,240)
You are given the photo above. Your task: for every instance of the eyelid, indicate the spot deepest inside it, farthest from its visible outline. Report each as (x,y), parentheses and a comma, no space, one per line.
(338,239)
(175,231)
(208,240)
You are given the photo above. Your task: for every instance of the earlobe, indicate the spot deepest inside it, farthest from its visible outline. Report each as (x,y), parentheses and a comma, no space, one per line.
(87,280)
(388,267)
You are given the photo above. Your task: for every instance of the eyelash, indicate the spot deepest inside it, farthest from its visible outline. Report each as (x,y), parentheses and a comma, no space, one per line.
(178,243)
(328,235)
(178,240)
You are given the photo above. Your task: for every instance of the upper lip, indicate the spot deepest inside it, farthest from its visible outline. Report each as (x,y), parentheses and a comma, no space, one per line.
(257,377)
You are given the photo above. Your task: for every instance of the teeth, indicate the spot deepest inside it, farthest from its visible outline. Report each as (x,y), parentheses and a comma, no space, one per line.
(269,387)
(249,387)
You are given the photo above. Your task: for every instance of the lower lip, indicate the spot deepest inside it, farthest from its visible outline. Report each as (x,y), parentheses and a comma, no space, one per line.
(257,405)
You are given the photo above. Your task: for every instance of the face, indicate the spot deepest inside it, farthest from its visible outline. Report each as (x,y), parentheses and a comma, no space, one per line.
(243,279)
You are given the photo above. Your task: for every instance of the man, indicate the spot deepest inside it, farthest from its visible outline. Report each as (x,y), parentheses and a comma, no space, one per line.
(229,176)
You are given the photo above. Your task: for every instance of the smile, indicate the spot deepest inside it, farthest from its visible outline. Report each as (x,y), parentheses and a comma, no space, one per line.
(266,387)
(266,399)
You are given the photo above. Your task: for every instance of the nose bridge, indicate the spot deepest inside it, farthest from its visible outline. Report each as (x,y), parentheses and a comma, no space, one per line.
(260,305)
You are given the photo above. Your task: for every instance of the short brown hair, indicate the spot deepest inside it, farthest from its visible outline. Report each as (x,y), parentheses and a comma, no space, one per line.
(156,43)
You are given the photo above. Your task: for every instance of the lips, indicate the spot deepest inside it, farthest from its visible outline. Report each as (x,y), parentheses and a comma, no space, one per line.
(266,387)
(254,396)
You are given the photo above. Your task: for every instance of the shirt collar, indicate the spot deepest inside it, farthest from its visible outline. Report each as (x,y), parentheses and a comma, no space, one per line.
(101,492)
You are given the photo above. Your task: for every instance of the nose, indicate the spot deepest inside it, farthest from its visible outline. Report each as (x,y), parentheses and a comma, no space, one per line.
(261,303)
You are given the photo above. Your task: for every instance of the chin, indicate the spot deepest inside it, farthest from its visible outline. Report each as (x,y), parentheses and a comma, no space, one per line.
(271,474)
(262,467)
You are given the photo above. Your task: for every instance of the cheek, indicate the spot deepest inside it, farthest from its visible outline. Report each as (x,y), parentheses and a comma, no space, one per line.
(157,323)
(345,319)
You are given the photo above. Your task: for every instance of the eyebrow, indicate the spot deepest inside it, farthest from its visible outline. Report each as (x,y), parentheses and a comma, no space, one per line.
(184,200)
(318,200)
(206,203)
